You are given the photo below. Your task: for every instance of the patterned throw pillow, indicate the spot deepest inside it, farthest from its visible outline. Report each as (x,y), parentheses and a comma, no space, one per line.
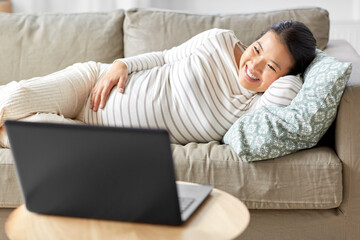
(271,131)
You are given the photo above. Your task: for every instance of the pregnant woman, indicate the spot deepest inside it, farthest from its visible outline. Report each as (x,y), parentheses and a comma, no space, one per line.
(196,90)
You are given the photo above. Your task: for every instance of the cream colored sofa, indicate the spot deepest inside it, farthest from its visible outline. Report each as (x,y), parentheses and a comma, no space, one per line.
(311,194)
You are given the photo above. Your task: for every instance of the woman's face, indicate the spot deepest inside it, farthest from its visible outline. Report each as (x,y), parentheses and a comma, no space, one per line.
(263,62)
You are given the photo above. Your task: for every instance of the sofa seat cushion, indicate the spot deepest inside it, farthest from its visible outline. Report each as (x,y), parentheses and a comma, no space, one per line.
(10,193)
(309,179)
(173,28)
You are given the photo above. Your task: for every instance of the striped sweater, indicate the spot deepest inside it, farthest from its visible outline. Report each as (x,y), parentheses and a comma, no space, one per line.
(191,90)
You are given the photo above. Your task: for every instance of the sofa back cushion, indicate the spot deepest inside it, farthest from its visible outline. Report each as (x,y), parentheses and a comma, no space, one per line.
(35,45)
(147,30)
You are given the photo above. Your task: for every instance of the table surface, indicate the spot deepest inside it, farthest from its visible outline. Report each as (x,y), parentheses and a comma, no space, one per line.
(222,216)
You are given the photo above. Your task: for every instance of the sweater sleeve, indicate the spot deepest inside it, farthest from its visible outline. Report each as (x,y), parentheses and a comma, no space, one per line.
(150,60)
(280,93)
(143,61)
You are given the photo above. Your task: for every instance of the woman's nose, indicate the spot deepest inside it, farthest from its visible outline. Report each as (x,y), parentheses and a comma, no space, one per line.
(258,64)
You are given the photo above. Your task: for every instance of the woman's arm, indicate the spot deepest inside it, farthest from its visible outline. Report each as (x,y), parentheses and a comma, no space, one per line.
(143,61)
(280,93)
(150,60)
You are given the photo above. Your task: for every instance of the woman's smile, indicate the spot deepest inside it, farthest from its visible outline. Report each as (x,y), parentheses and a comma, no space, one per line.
(249,76)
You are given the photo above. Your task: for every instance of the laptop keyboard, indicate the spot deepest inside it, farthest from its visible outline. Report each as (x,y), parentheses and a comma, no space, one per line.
(185,202)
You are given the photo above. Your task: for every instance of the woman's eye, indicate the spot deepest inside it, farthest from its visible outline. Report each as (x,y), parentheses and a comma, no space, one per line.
(257,50)
(271,67)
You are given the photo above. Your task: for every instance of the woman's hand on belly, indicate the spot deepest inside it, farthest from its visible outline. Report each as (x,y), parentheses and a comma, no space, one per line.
(116,76)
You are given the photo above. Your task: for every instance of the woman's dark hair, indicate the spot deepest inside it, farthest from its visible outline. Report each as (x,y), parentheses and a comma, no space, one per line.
(299,40)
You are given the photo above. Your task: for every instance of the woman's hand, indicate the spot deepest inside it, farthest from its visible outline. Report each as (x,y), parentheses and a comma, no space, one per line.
(117,75)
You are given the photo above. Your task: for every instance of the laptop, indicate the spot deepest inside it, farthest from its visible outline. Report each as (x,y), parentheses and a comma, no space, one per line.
(124,174)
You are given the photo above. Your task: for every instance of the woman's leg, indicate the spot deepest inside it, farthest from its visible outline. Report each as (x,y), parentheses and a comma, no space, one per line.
(63,93)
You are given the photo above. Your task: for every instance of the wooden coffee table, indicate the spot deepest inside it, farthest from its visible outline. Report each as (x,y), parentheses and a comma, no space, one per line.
(222,216)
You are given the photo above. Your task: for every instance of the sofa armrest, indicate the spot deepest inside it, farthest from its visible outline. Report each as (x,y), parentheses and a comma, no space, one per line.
(347,131)
(343,51)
